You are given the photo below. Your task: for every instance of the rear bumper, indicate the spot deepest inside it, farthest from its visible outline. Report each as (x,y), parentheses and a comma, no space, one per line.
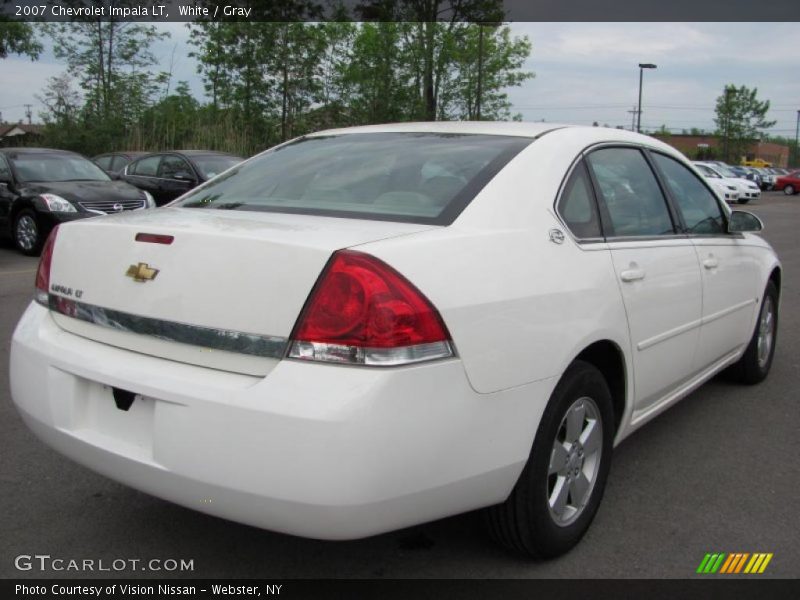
(314,450)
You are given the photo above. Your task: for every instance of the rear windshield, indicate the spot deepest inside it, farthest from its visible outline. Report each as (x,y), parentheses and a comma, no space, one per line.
(56,167)
(410,177)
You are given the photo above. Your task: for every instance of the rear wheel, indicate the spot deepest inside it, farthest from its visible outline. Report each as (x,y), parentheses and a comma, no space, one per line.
(27,233)
(560,488)
(788,190)
(755,363)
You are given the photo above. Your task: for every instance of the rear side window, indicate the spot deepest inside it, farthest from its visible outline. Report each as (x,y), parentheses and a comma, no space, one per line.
(104,162)
(629,190)
(146,166)
(119,163)
(411,177)
(577,205)
(698,206)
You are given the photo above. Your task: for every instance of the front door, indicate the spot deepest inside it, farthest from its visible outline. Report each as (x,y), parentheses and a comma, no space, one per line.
(657,272)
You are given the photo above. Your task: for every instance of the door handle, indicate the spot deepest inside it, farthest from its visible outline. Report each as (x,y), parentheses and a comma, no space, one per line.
(711,262)
(633,274)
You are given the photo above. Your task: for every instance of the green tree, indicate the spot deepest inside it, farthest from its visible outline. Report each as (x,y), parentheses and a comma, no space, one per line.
(434,22)
(113,62)
(740,118)
(17,37)
(62,114)
(496,60)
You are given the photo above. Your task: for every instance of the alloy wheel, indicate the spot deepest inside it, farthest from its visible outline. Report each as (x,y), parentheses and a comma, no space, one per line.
(574,461)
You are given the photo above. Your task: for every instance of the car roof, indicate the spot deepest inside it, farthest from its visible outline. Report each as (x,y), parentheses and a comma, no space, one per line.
(26,150)
(593,134)
(132,153)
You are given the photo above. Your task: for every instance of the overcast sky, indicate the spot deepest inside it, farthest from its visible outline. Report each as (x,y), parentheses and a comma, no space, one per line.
(585,72)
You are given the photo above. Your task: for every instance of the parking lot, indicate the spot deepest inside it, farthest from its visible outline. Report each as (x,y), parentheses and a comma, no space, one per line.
(716,473)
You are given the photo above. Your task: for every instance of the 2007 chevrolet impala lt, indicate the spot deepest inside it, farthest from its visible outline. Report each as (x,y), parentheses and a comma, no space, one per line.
(369,328)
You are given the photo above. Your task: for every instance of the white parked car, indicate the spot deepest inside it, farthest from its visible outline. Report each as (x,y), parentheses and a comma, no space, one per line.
(726,190)
(748,190)
(369,328)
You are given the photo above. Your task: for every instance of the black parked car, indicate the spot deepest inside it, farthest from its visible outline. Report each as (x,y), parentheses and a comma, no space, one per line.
(167,175)
(113,163)
(40,188)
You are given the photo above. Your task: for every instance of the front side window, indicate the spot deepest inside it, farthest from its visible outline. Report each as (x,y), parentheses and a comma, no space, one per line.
(630,192)
(170,165)
(147,166)
(410,177)
(577,205)
(698,206)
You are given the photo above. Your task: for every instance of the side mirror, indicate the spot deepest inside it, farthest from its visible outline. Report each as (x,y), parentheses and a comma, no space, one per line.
(742,221)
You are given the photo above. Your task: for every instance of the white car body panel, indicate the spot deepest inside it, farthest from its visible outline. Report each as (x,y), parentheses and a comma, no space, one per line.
(334,451)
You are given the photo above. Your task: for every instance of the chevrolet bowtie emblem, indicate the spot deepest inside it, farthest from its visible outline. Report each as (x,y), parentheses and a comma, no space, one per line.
(141,272)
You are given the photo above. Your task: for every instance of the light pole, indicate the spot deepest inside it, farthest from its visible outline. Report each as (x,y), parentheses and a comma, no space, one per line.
(796,139)
(642,67)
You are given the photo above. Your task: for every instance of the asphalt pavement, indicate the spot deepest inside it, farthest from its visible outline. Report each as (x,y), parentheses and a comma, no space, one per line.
(718,472)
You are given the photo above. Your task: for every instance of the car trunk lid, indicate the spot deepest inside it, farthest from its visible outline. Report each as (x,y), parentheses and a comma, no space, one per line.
(224,293)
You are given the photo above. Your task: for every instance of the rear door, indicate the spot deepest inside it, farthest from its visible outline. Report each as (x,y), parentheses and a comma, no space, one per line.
(657,271)
(730,273)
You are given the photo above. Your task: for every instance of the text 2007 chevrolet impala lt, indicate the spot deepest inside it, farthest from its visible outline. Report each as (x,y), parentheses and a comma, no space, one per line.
(369,328)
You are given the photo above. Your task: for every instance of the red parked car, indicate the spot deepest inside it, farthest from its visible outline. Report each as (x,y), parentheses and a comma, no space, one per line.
(790,184)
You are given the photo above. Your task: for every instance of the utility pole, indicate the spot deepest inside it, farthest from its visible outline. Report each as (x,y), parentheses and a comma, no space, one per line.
(633,112)
(796,139)
(28,112)
(480,73)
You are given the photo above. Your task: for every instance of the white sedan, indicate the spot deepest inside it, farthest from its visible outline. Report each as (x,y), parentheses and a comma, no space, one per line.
(748,190)
(368,328)
(727,189)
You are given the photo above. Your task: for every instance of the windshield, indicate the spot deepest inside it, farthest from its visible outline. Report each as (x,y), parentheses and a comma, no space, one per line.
(412,177)
(726,172)
(56,167)
(211,165)
(706,171)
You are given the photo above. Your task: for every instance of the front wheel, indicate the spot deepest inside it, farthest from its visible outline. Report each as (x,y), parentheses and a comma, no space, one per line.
(560,488)
(754,365)
(27,233)
(788,190)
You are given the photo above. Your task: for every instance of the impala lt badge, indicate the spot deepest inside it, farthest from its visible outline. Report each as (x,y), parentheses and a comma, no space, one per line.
(141,272)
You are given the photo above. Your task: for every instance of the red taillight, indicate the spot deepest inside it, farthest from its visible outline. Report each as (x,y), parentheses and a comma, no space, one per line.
(154,238)
(43,272)
(363,311)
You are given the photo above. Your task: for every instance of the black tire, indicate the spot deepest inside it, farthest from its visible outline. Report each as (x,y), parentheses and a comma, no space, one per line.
(525,523)
(27,219)
(743,200)
(753,367)
(789,190)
